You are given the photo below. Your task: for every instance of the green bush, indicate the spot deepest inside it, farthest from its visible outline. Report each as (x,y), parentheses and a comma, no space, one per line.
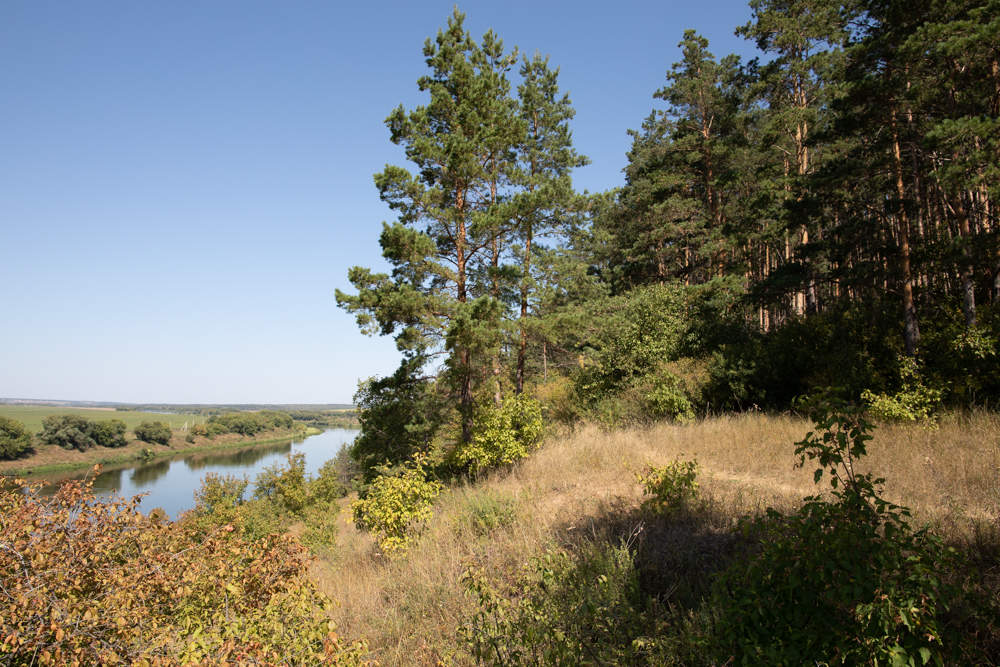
(669,490)
(110,433)
(285,485)
(632,334)
(243,423)
(320,528)
(220,495)
(503,436)
(213,429)
(68,432)
(396,506)
(155,433)
(667,399)
(75,432)
(220,505)
(248,423)
(841,581)
(399,416)
(913,402)
(563,610)
(15,441)
(333,479)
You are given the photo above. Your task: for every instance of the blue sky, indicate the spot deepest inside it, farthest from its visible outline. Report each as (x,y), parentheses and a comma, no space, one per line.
(184,185)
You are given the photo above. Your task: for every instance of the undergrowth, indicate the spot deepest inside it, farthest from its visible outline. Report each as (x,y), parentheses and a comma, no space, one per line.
(843,579)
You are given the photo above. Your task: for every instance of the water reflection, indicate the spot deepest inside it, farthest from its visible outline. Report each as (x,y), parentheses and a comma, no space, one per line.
(148,473)
(109,480)
(237,459)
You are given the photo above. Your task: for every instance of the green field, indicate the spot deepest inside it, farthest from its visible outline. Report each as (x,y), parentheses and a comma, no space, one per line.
(32,415)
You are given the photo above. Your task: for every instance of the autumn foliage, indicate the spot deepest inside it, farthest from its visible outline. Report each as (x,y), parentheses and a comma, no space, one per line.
(87,581)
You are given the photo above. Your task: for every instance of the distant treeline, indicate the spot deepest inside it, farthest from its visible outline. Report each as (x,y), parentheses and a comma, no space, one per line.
(324,419)
(80,433)
(220,408)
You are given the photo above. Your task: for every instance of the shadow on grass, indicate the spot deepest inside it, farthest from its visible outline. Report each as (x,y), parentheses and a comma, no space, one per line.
(676,555)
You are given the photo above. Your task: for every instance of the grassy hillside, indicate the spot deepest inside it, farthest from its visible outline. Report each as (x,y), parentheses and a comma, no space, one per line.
(580,492)
(32,415)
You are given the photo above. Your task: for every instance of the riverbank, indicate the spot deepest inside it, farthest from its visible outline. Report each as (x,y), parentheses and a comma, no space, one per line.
(48,459)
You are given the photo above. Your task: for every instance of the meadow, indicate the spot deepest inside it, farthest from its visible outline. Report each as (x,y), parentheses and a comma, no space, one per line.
(32,415)
(580,489)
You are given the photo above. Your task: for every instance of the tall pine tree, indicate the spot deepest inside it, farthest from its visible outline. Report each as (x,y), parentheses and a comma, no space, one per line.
(447,224)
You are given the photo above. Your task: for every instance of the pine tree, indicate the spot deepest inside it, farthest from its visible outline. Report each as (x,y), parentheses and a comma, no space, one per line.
(447,215)
(805,39)
(675,207)
(546,196)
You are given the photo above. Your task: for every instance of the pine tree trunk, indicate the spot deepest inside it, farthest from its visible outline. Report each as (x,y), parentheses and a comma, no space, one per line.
(911,328)
(495,288)
(465,369)
(522,349)
(968,286)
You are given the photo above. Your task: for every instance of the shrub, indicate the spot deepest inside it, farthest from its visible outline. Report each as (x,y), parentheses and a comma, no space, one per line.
(668,490)
(248,423)
(503,436)
(332,480)
(399,416)
(243,423)
(273,419)
(94,582)
(841,581)
(199,430)
(68,432)
(667,399)
(556,398)
(320,529)
(285,485)
(110,433)
(213,429)
(913,402)
(220,495)
(396,506)
(562,610)
(155,433)
(632,334)
(15,441)
(220,505)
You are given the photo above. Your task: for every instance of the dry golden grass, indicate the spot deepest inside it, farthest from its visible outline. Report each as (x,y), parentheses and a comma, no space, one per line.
(408,609)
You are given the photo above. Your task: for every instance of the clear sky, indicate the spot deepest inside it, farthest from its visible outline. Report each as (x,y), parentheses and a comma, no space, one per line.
(183,185)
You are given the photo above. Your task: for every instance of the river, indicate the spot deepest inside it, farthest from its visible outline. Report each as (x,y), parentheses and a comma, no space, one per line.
(170,483)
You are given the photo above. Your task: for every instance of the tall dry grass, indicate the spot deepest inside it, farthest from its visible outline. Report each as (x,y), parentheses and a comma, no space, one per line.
(408,609)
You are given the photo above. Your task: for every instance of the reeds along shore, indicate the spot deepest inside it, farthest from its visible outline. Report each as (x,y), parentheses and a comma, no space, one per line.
(581,484)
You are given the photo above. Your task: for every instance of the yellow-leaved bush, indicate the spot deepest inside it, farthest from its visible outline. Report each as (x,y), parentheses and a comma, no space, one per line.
(914,401)
(88,581)
(396,507)
(503,435)
(669,489)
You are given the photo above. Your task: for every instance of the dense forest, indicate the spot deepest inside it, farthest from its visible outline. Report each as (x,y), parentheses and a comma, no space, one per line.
(818,219)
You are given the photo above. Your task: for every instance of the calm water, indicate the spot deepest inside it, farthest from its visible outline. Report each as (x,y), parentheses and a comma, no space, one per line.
(171,483)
